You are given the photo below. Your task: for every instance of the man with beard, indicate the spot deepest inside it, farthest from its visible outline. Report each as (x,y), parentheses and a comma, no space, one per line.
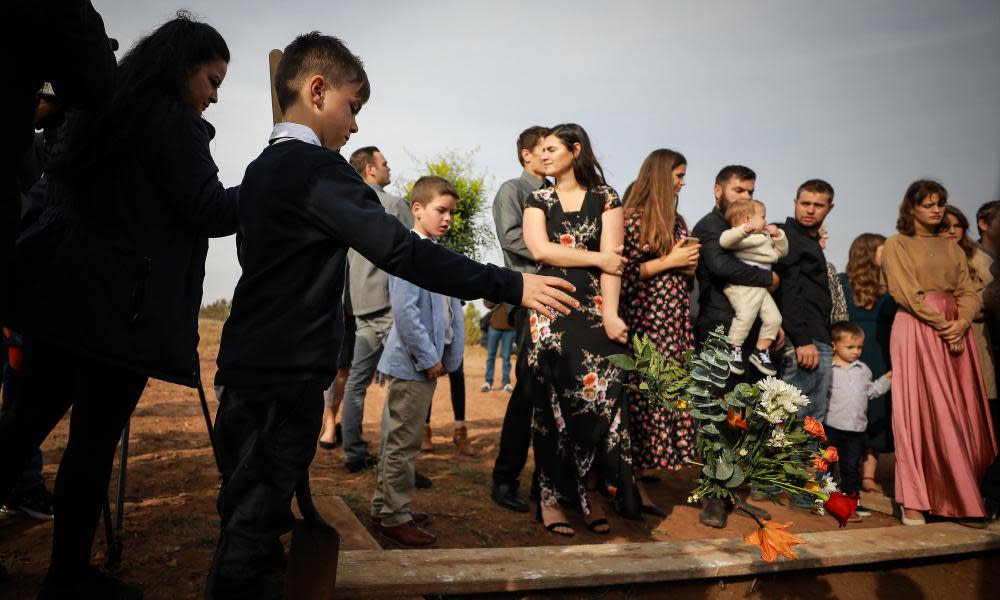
(716,269)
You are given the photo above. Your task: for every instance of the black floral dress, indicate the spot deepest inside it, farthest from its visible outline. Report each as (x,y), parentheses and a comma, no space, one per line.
(579,418)
(660,308)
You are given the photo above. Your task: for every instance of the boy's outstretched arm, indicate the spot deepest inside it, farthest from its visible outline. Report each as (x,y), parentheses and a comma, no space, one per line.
(348,210)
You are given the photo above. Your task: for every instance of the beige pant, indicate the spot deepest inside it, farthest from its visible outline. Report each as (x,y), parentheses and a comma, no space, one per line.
(749,302)
(406,406)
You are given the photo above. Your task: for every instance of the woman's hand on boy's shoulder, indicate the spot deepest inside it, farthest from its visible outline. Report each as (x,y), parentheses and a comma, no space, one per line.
(543,294)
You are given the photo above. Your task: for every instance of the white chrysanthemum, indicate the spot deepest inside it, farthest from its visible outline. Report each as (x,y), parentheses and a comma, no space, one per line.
(779,399)
(778,439)
(829,485)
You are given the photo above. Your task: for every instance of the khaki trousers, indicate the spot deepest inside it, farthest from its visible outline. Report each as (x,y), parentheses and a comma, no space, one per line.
(406,406)
(749,302)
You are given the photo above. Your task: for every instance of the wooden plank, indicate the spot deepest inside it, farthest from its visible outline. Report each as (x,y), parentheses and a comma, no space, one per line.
(273,57)
(382,574)
(353,534)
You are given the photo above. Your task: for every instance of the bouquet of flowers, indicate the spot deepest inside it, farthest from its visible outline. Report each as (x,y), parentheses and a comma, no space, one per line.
(748,436)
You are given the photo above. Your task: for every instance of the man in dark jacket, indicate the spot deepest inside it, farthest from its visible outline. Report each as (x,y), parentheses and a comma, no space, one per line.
(716,269)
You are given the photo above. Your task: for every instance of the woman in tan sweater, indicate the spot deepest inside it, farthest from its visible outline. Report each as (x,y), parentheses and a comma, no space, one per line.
(941,422)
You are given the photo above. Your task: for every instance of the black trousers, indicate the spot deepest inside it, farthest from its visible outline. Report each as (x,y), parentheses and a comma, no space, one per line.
(266,438)
(103,397)
(456,381)
(850,447)
(515,435)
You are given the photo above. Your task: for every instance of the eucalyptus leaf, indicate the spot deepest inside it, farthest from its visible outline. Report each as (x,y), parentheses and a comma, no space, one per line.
(737,477)
(723,470)
(710,429)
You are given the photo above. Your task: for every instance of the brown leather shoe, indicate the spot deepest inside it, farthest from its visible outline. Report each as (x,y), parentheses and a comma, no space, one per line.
(461,439)
(408,535)
(426,444)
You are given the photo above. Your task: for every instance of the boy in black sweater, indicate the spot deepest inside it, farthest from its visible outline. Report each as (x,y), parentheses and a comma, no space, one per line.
(301,207)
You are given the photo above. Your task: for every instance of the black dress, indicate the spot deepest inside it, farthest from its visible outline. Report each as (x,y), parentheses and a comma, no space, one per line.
(877,325)
(579,421)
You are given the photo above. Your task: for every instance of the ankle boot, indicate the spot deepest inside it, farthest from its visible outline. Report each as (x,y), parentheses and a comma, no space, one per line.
(426,444)
(461,439)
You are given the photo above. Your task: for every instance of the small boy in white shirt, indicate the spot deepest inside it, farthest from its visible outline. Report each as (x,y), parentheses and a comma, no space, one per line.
(847,415)
(755,243)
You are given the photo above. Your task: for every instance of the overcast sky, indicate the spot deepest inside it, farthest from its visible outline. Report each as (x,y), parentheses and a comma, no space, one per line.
(867,95)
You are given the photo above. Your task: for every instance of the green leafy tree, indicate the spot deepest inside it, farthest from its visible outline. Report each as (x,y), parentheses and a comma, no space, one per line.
(469,234)
(473,334)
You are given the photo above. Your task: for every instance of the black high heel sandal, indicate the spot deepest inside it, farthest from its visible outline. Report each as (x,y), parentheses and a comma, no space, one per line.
(552,526)
(593,525)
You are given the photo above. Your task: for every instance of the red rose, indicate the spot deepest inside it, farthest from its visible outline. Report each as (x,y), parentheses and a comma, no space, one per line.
(567,240)
(841,506)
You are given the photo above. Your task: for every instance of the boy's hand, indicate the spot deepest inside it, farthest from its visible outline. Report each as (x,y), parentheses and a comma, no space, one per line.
(888,375)
(773,231)
(542,294)
(435,371)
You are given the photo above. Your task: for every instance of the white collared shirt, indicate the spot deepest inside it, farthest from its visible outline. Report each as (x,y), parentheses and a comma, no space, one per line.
(282,132)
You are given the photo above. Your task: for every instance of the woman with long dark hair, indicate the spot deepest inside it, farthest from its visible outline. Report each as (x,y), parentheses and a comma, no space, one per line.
(656,302)
(941,421)
(956,229)
(873,309)
(574,229)
(110,274)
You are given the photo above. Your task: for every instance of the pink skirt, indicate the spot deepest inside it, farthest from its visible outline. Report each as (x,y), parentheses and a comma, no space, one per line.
(940,417)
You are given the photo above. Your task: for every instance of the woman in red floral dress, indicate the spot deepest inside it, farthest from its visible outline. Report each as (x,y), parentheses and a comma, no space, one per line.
(656,302)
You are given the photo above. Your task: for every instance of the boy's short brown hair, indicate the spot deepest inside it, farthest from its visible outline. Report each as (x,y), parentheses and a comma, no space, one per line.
(317,54)
(740,209)
(842,329)
(429,187)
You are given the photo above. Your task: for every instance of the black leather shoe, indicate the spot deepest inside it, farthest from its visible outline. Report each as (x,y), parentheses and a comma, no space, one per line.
(653,511)
(714,513)
(368,461)
(506,496)
(421,481)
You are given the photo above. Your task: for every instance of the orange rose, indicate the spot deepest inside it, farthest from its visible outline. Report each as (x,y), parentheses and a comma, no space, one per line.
(815,429)
(830,454)
(567,240)
(819,464)
(735,420)
(590,380)
(774,540)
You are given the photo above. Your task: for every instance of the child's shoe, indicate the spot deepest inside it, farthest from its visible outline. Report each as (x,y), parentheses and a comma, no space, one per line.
(486,387)
(762,360)
(508,387)
(426,444)
(736,361)
(461,439)
(862,511)
(854,518)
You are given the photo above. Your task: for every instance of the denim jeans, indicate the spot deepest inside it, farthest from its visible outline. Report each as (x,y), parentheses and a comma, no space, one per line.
(815,385)
(368,345)
(504,338)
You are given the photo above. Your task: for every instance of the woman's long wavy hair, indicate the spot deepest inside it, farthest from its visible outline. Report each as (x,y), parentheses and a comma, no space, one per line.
(863,275)
(966,244)
(654,198)
(586,169)
(158,66)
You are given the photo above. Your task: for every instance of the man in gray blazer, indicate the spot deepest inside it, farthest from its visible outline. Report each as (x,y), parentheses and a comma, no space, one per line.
(369,295)
(508,209)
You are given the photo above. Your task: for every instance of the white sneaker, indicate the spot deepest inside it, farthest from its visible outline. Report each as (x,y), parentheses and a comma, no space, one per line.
(486,387)
(508,387)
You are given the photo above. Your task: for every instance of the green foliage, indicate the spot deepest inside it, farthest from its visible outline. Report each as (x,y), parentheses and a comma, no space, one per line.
(747,435)
(468,234)
(473,334)
(218,310)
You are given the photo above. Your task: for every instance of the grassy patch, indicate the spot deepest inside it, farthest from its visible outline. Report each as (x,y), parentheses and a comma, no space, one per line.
(470,475)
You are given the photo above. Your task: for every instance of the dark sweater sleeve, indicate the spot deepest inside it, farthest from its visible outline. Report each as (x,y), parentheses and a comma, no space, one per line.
(184,165)
(723,264)
(790,297)
(346,208)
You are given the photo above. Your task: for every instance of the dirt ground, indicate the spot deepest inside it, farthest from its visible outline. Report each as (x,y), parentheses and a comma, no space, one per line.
(171,525)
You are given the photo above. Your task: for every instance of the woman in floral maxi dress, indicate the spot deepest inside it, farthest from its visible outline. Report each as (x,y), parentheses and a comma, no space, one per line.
(580,434)
(656,302)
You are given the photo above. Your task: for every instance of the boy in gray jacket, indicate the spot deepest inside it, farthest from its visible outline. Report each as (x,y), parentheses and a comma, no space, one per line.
(756,243)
